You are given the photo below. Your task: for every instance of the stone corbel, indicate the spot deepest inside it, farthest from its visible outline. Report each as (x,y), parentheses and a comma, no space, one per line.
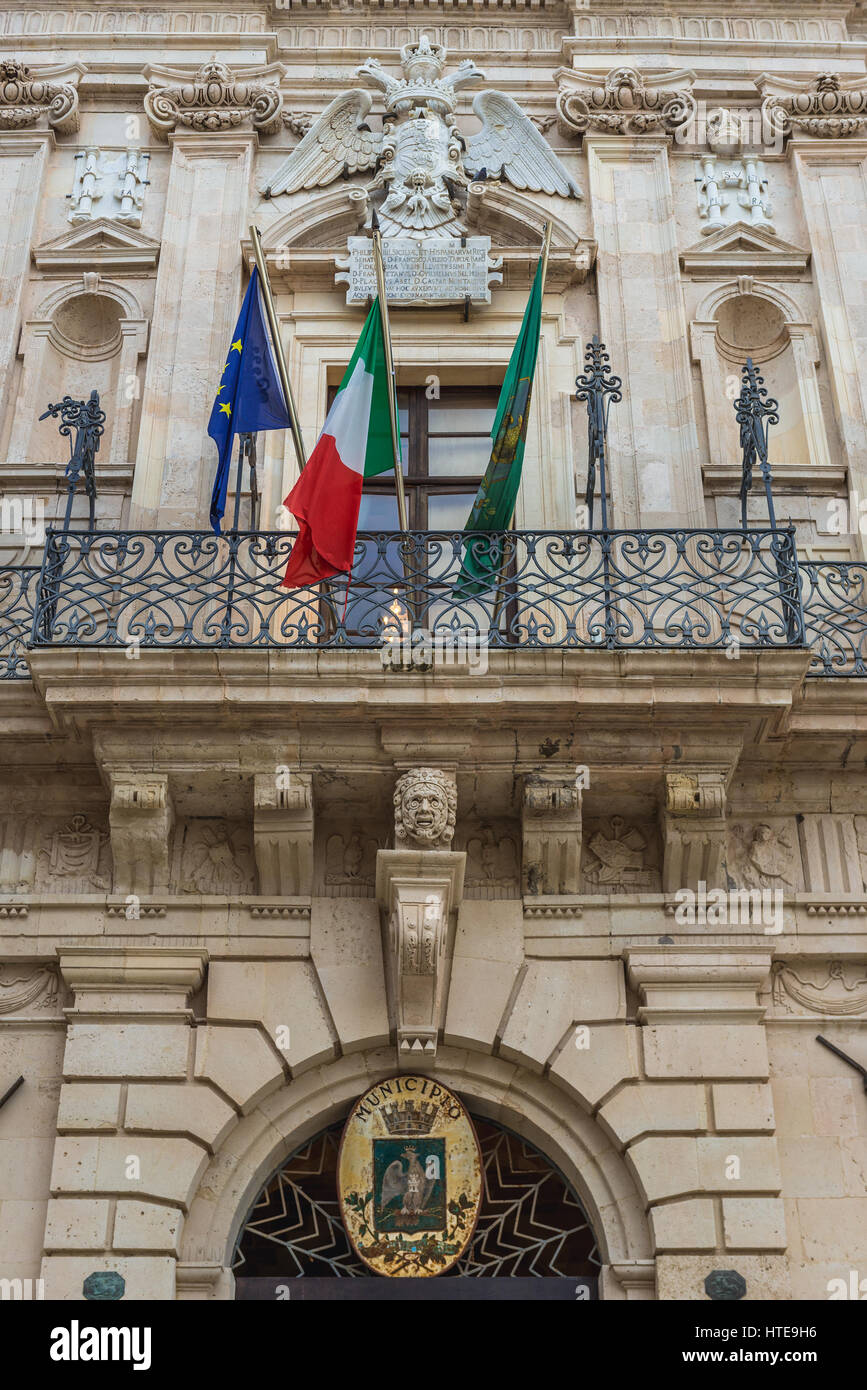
(694,829)
(48,98)
(283,832)
(551,825)
(141,820)
(419,892)
(215,99)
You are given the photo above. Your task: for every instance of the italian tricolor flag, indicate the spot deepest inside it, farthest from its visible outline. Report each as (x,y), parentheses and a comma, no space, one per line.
(355,444)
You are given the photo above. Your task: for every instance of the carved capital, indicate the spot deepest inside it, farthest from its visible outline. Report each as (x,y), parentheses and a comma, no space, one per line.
(551,823)
(141,819)
(419,892)
(626,102)
(214,99)
(828,107)
(28,98)
(283,832)
(425,806)
(694,829)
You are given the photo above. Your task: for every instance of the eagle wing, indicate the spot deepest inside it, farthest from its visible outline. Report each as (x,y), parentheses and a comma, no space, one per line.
(338,139)
(509,144)
(393,1182)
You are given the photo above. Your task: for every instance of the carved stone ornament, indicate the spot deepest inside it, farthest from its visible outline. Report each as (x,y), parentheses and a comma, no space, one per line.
(350,863)
(216,857)
(214,99)
(621,858)
(627,102)
(35,989)
(422,159)
(419,894)
(551,833)
(694,830)
(425,805)
(760,856)
(828,107)
(283,832)
(842,993)
(25,97)
(72,860)
(141,820)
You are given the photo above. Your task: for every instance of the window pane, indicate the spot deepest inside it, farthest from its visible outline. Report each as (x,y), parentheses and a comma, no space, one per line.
(449,511)
(446,417)
(378,512)
(403,411)
(450,458)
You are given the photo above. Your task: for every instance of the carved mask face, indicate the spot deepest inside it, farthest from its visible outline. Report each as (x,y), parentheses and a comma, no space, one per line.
(424,808)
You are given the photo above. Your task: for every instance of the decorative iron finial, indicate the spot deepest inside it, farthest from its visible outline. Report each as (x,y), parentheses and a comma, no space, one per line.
(88,421)
(600,390)
(755,412)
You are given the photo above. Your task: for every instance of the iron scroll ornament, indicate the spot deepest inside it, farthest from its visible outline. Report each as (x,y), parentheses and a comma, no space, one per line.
(600,390)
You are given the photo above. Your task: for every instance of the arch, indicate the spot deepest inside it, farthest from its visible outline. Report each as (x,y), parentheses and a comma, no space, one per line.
(529,1105)
(713,301)
(90,283)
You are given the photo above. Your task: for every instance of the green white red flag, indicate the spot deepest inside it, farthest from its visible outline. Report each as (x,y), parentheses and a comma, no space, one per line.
(355,444)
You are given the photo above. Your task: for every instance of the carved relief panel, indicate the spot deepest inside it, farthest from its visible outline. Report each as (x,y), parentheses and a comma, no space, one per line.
(621,856)
(765,854)
(493,859)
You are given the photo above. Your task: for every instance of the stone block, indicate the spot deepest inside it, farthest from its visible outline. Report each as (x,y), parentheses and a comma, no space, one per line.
(687,1225)
(189,1108)
(88,1106)
(665,1167)
(127,1050)
(647,1108)
(284,996)
(239,1062)
(553,996)
(346,947)
(76,1223)
(740,1109)
(147,1277)
(682,1276)
(754,1223)
(759,1168)
(165,1168)
(145,1226)
(705,1050)
(590,1073)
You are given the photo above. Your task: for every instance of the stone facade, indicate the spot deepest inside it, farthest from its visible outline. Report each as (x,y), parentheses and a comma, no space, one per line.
(237,887)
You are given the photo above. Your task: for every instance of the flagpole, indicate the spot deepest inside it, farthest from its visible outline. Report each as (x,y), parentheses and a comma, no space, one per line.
(389,368)
(271,313)
(546,247)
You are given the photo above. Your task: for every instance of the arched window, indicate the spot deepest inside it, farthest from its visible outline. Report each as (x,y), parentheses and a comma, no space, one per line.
(531,1223)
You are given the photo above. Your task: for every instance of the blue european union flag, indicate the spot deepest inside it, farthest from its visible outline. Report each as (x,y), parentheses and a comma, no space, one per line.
(250,397)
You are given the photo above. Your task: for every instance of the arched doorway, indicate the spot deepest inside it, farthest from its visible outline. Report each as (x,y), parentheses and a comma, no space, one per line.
(532,1226)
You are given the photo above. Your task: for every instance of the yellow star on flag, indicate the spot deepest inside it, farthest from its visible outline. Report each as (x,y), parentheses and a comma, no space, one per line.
(236,347)
(227,408)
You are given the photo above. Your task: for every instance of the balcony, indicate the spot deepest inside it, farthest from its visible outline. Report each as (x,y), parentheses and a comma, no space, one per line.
(695,590)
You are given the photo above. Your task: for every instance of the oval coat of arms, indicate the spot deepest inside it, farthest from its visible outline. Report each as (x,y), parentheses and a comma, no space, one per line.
(409,1177)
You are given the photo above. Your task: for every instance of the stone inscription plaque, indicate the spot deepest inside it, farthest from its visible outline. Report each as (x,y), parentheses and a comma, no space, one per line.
(437,271)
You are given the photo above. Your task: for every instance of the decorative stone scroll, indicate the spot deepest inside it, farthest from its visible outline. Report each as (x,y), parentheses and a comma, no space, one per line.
(436,271)
(283,832)
(26,97)
(694,830)
(141,820)
(28,990)
(551,826)
(626,102)
(829,107)
(214,99)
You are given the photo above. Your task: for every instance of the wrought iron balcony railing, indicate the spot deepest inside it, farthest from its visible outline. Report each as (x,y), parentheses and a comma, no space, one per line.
(678,589)
(17,604)
(834,594)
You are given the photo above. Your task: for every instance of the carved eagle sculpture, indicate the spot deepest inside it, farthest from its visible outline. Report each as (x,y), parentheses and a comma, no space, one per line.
(409,1183)
(420,154)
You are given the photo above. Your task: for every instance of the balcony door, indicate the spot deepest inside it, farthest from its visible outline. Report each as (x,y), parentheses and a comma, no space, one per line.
(445,446)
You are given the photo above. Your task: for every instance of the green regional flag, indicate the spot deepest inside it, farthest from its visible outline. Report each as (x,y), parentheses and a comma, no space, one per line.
(498,490)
